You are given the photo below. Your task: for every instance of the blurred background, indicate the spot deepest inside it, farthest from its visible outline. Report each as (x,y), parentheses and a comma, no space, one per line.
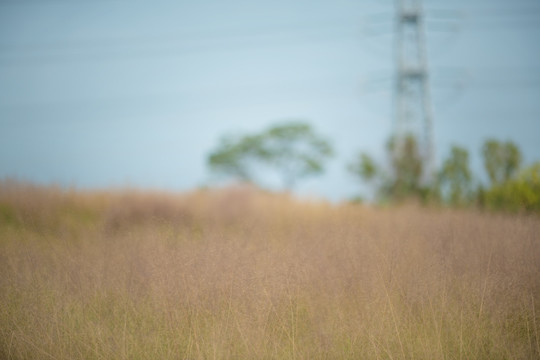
(137,93)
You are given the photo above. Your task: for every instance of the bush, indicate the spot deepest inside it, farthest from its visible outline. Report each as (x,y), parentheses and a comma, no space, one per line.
(519,194)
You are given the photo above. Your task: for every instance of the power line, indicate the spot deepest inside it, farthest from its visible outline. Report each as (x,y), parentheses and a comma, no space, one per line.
(485,77)
(53,2)
(443,20)
(169,45)
(313,87)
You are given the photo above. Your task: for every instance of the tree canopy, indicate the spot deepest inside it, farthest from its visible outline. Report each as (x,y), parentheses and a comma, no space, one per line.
(293,150)
(455,177)
(402,179)
(406,167)
(501,160)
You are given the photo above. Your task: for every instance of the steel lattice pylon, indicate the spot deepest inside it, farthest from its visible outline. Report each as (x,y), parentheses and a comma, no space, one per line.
(413,112)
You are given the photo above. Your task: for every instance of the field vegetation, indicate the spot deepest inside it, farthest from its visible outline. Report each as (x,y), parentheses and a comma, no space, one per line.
(238,273)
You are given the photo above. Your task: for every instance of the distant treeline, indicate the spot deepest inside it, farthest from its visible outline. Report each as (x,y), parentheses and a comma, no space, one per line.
(293,150)
(511,186)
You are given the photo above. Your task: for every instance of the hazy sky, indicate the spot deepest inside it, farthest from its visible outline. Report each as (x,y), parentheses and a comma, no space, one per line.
(113,93)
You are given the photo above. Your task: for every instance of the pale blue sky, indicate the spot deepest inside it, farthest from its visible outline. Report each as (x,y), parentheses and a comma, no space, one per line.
(113,93)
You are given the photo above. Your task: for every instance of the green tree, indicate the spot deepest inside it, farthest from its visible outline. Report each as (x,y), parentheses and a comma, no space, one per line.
(406,168)
(521,193)
(293,150)
(455,179)
(236,157)
(404,177)
(511,189)
(364,167)
(501,160)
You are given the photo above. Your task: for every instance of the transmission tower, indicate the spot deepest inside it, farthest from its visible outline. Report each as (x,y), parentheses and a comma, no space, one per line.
(413,113)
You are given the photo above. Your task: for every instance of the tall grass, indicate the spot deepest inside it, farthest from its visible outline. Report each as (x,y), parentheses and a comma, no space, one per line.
(240,274)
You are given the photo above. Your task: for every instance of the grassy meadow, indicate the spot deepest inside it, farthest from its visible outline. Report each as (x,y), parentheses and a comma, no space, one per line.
(241,274)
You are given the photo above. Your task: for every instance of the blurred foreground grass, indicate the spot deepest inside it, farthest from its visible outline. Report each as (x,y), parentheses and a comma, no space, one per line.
(240,274)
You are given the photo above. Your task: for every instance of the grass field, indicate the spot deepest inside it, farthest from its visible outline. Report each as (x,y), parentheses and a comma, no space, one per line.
(240,274)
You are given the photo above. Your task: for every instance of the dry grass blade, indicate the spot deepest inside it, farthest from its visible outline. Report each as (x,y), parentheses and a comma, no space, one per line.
(242,274)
